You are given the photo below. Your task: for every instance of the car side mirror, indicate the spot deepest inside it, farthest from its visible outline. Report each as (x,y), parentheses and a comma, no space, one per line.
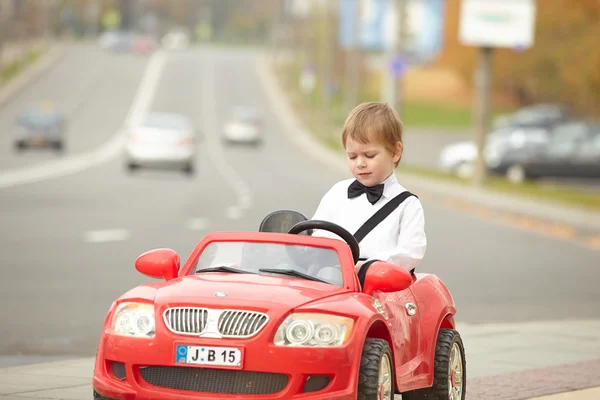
(159,264)
(386,277)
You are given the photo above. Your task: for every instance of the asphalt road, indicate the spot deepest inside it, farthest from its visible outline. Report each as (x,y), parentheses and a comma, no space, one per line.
(58,280)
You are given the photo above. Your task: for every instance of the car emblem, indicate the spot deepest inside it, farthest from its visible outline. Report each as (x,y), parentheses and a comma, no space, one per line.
(411,308)
(221,294)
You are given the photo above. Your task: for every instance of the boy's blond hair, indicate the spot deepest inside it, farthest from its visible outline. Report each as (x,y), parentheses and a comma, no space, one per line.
(374,123)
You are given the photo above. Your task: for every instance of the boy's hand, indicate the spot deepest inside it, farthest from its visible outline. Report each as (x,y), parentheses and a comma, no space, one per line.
(358,265)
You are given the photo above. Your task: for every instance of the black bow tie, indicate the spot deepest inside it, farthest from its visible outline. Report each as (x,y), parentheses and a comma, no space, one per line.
(373,192)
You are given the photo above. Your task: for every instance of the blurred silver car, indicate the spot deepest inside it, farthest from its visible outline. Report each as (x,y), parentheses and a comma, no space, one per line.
(540,115)
(245,125)
(162,140)
(41,126)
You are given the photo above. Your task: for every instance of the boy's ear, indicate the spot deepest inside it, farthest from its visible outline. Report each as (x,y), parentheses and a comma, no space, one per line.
(398,152)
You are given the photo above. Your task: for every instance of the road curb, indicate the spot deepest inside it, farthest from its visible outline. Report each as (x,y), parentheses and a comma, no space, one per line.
(299,135)
(30,74)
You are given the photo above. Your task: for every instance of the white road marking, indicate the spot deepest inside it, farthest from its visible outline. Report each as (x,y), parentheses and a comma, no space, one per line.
(104,153)
(107,235)
(242,190)
(197,224)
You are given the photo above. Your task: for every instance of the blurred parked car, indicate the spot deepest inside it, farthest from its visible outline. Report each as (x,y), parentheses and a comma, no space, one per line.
(245,125)
(40,126)
(544,114)
(573,151)
(144,44)
(162,140)
(117,41)
(459,158)
(176,39)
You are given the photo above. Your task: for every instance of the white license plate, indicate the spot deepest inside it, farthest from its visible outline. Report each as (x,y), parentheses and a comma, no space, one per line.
(37,141)
(208,355)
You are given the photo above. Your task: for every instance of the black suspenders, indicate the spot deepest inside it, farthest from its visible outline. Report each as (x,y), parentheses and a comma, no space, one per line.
(375,220)
(380,215)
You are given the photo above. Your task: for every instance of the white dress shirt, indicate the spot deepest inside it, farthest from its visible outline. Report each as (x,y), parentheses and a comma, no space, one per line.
(398,239)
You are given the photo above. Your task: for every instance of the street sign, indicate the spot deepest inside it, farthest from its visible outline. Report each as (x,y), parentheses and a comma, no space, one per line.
(373,25)
(398,66)
(497,23)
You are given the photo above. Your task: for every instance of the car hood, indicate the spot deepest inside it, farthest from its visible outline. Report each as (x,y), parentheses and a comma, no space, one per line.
(224,290)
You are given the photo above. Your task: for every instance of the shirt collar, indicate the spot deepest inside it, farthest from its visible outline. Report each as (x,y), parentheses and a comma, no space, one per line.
(388,185)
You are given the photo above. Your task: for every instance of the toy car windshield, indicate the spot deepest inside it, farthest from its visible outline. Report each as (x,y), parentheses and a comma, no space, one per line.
(301,261)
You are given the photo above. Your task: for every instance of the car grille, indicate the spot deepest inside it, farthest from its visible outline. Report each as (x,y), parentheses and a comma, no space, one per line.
(214,380)
(234,323)
(228,323)
(186,320)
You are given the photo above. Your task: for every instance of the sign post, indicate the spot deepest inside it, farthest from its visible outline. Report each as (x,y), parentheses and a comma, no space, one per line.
(490,24)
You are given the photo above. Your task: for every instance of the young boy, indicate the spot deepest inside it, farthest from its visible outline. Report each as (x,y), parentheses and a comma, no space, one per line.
(372,137)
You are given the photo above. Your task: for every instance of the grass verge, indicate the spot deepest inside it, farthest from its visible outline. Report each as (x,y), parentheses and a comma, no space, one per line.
(16,67)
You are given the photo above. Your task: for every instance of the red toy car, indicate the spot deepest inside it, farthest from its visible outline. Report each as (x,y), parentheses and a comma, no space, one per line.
(268,315)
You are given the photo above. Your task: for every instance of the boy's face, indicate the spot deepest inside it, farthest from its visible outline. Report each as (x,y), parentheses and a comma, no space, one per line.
(371,163)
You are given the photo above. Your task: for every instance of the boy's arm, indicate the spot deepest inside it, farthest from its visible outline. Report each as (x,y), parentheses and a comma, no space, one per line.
(412,241)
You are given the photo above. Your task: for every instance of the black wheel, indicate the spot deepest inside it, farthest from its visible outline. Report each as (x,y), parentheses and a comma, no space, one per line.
(450,379)
(132,167)
(189,169)
(516,174)
(97,396)
(20,145)
(376,378)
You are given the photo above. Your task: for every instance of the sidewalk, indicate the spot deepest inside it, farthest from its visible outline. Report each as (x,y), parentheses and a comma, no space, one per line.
(72,380)
(586,394)
(545,211)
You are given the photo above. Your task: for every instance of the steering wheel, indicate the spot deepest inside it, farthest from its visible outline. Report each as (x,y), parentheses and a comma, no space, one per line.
(329,227)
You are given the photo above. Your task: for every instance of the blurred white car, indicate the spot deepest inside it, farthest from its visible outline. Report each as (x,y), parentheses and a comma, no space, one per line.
(176,39)
(459,158)
(162,140)
(245,125)
(116,41)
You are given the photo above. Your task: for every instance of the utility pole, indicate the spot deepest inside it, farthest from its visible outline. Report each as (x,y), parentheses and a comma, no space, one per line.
(3,31)
(276,28)
(486,28)
(482,111)
(353,60)
(325,40)
(392,82)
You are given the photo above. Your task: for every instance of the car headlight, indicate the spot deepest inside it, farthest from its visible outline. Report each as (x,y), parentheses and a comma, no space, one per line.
(134,319)
(314,330)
